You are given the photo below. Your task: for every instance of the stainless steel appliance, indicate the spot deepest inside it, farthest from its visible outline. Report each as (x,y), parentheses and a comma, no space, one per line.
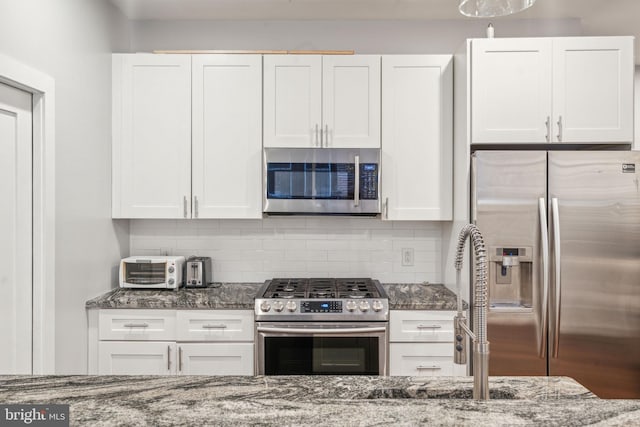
(322,181)
(562,230)
(151,272)
(322,326)
(198,272)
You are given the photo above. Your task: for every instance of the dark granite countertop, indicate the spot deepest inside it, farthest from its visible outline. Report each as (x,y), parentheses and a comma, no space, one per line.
(402,296)
(316,400)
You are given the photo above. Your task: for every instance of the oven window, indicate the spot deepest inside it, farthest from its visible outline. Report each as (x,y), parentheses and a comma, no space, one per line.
(321,355)
(140,273)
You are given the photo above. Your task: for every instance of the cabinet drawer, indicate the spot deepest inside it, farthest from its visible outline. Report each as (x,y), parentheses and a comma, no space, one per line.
(137,325)
(423,359)
(218,325)
(215,359)
(421,326)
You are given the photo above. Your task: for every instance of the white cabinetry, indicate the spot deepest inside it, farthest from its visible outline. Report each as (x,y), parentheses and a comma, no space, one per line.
(167,342)
(421,343)
(417,115)
(151,136)
(537,90)
(159,171)
(322,101)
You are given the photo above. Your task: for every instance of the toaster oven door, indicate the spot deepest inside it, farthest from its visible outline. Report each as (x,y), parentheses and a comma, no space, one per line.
(144,274)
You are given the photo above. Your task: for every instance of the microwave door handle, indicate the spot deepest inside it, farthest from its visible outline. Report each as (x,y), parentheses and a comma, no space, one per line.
(356,189)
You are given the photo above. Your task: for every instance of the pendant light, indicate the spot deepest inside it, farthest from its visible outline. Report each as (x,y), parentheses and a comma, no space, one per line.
(493,8)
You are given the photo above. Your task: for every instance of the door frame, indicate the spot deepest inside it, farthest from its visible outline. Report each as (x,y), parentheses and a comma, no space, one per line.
(42,88)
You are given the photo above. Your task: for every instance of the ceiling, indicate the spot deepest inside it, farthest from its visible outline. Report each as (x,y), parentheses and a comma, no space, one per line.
(598,17)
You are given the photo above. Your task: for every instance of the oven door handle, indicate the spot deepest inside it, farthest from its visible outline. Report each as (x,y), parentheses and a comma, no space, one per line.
(303,331)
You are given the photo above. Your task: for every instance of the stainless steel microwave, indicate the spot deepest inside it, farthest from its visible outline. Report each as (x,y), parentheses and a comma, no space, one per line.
(339,181)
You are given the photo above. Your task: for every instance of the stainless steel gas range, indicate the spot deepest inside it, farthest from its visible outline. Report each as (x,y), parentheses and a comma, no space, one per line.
(322,326)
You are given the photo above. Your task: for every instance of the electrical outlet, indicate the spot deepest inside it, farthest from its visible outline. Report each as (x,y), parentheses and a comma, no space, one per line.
(407,257)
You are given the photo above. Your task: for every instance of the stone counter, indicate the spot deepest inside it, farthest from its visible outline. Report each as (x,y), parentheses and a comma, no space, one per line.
(402,296)
(316,400)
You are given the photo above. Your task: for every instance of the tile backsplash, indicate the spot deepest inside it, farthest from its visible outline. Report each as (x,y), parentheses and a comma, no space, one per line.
(256,250)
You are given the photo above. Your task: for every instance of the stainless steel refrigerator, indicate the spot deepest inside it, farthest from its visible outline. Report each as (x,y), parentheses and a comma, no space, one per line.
(562,230)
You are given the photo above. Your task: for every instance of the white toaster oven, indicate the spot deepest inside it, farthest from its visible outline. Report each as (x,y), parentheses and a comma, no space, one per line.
(161,272)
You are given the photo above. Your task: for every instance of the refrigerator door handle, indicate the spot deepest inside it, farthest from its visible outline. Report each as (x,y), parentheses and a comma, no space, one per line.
(544,236)
(556,253)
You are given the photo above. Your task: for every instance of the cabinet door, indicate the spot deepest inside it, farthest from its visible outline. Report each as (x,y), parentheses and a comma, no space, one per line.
(593,89)
(351,101)
(151,136)
(136,358)
(215,359)
(417,178)
(292,100)
(511,90)
(227,136)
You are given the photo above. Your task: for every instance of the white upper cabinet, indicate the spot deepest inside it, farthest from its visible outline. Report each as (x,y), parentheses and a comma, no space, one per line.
(569,90)
(151,136)
(417,176)
(313,101)
(170,163)
(351,101)
(227,136)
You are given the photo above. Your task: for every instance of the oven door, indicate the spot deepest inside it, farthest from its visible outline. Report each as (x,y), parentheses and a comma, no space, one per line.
(321,181)
(327,348)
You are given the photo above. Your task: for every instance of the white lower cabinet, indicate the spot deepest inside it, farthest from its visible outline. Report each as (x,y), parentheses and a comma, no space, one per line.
(170,342)
(421,343)
(136,358)
(215,359)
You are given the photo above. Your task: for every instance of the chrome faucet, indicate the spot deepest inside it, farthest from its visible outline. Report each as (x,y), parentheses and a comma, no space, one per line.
(479,334)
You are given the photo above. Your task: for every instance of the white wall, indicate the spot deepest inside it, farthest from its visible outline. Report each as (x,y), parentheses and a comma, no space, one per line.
(71,40)
(256,250)
(444,36)
(636,110)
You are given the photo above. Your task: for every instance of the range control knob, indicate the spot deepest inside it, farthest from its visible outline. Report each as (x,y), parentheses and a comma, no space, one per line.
(172,269)
(278,306)
(265,306)
(364,306)
(351,305)
(291,305)
(377,305)
(172,281)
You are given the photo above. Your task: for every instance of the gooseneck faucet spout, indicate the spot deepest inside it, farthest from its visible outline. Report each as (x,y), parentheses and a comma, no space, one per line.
(480,298)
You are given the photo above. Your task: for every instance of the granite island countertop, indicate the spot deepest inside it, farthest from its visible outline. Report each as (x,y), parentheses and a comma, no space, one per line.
(316,400)
(402,296)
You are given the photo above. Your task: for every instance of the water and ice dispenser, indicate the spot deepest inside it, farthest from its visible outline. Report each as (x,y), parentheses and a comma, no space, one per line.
(510,277)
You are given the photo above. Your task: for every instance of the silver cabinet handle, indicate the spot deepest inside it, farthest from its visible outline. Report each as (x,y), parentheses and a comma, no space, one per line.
(316,134)
(326,136)
(544,236)
(221,326)
(136,325)
(184,205)
(428,327)
(180,359)
(386,208)
(356,182)
(557,258)
(548,124)
(560,129)
(195,206)
(168,358)
(432,367)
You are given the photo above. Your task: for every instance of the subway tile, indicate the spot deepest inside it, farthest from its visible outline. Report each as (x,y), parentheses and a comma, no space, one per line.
(284,244)
(327,245)
(348,255)
(305,255)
